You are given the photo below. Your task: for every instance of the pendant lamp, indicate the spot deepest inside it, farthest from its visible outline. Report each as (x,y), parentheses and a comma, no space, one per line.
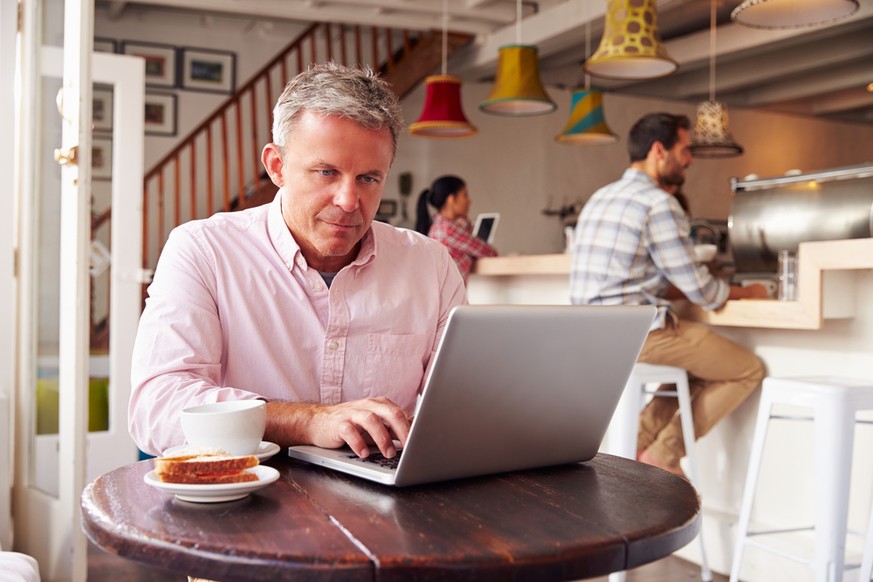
(711,136)
(792,13)
(443,114)
(630,47)
(518,90)
(586,125)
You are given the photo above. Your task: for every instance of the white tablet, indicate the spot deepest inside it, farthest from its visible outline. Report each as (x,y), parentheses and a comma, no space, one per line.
(486,226)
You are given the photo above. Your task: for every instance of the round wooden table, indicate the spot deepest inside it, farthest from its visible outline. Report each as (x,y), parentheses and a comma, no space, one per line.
(567,522)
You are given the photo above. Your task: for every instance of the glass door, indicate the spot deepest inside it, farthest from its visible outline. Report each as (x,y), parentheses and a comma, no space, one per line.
(78,278)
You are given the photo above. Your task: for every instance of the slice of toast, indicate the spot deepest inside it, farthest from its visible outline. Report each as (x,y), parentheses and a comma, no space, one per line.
(198,467)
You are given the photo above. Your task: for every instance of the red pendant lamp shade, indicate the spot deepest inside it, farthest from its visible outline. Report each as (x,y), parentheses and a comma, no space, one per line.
(442,115)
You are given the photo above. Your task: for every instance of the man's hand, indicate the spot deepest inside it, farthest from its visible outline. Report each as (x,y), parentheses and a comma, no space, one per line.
(754,291)
(356,424)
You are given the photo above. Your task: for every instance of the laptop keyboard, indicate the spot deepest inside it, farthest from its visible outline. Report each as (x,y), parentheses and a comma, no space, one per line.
(378,458)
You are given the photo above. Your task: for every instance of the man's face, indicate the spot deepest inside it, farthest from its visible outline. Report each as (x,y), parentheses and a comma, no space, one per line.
(671,168)
(333,172)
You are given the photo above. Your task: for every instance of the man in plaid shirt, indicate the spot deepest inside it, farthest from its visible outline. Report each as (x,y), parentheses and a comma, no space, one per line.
(632,247)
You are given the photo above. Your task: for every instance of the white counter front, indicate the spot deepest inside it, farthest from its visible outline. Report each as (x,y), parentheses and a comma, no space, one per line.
(829,331)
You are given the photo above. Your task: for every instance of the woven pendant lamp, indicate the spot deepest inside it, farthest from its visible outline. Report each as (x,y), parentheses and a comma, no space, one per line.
(711,137)
(443,115)
(586,125)
(518,90)
(631,45)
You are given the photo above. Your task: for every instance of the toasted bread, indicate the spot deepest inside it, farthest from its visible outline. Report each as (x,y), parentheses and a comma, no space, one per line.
(200,467)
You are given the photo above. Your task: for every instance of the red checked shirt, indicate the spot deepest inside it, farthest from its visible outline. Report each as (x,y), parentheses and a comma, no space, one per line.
(457,236)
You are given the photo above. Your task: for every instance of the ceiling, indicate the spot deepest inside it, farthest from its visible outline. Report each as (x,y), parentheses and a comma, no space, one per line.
(822,71)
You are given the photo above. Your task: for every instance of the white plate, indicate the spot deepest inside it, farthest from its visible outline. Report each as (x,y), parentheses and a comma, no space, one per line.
(215,493)
(265,450)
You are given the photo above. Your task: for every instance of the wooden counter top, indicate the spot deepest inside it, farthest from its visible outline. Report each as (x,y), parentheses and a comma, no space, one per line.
(826,286)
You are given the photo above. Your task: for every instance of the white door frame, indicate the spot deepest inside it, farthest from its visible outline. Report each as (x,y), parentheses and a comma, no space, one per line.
(49,528)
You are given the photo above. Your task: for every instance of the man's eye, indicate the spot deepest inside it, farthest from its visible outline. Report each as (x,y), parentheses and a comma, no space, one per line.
(326,172)
(370,179)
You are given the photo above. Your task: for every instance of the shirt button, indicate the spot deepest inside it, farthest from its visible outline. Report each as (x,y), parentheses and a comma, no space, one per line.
(333,345)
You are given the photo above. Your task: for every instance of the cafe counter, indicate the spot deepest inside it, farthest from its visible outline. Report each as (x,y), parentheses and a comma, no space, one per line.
(827,332)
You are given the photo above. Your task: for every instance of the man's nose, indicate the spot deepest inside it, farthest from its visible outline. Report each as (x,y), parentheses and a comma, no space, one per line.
(346,196)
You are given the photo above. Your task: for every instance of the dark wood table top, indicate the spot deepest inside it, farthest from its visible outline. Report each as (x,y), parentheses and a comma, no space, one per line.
(568,522)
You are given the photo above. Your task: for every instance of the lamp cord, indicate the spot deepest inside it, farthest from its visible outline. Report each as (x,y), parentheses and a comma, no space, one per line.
(518,22)
(712,50)
(587,50)
(445,34)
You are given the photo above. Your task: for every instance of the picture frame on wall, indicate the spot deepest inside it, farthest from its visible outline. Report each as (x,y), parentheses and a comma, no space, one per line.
(101,158)
(208,70)
(101,109)
(160,62)
(105,45)
(160,114)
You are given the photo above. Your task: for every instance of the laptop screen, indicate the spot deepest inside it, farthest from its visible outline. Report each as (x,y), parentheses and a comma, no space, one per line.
(486,226)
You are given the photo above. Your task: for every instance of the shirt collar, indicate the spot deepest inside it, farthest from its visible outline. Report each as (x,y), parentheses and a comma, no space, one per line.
(289,250)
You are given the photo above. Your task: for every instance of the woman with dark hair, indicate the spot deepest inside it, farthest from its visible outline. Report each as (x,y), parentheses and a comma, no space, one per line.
(451,226)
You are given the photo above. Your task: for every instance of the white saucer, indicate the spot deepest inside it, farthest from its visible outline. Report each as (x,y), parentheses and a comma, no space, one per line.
(264,451)
(215,493)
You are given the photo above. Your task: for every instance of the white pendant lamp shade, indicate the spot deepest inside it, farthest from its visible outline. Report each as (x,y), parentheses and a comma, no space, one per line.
(631,45)
(711,137)
(792,13)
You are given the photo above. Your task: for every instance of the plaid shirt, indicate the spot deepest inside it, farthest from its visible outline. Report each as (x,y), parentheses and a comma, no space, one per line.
(457,236)
(631,242)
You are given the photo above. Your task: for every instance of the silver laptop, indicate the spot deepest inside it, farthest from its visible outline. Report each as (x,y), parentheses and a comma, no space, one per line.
(511,388)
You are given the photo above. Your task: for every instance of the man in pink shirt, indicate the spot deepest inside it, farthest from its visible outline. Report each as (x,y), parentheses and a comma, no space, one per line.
(305,302)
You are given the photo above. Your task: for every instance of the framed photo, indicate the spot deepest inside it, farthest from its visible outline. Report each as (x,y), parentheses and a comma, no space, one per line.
(160,62)
(387,208)
(160,114)
(102,108)
(208,70)
(101,158)
(105,45)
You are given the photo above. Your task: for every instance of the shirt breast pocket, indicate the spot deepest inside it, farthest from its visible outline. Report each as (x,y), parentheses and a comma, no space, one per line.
(395,366)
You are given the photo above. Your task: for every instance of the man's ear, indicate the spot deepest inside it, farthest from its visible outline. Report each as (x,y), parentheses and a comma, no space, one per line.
(271,157)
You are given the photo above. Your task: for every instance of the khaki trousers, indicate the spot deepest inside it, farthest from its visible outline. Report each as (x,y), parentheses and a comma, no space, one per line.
(721,375)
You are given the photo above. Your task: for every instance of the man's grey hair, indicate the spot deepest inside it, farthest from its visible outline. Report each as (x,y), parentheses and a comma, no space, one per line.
(330,89)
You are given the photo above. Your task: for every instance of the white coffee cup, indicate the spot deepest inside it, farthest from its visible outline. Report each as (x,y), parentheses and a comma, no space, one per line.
(236,426)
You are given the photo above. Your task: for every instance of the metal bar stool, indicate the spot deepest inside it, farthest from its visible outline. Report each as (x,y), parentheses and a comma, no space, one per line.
(834,402)
(867,561)
(625,425)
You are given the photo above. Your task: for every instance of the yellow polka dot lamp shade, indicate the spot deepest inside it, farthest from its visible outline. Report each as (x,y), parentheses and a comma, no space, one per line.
(442,114)
(792,13)
(631,45)
(711,137)
(517,88)
(586,125)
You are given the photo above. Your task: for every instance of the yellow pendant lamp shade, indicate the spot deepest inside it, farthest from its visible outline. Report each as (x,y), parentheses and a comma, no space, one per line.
(711,137)
(442,115)
(631,46)
(517,88)
(586,125)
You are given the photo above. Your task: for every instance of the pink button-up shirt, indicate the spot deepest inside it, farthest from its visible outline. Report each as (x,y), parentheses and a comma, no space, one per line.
(235,312)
